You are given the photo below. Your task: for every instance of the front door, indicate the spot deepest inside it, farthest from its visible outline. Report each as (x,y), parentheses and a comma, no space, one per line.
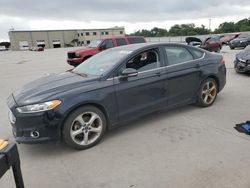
(145,92)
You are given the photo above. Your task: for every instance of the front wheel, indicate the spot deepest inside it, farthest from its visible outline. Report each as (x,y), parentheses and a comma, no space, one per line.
(207,93)
(84,127)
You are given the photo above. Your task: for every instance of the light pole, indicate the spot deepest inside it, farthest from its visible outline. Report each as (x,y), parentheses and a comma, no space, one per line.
(210,20)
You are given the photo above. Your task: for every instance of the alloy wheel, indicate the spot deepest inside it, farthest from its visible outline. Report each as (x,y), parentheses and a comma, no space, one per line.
(209,92)
(86,128)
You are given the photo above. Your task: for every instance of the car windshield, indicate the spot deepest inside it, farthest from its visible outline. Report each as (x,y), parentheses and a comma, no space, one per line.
(94,43)
(102,62)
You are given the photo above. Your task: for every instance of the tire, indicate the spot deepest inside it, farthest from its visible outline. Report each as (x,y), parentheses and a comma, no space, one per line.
(84,127)
(207,93)
(232,48)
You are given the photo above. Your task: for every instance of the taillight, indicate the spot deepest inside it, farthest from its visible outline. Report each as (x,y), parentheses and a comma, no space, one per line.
(222,61)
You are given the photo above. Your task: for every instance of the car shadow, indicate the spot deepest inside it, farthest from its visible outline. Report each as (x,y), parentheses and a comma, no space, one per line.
(60,148)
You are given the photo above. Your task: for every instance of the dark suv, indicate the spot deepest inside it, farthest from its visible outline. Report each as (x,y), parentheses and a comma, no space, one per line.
(78,56)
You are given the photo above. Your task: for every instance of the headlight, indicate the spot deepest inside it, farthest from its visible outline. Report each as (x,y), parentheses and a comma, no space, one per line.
(78,55)
(39,107)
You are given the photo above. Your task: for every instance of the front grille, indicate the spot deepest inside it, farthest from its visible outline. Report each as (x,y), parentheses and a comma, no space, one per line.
(71,55)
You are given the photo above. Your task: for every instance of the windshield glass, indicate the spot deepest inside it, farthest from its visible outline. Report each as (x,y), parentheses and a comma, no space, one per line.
(94,43)
(102,62)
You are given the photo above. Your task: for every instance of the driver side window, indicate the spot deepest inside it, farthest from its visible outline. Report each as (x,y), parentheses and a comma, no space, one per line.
(144,61)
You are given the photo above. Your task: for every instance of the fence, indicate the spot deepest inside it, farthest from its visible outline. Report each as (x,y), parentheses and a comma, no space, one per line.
(181,39)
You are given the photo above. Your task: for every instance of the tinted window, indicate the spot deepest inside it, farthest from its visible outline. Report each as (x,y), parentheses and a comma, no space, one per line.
(144,61)
(121,42)
(109,43)
(197,53)
(177,55)
(133,40)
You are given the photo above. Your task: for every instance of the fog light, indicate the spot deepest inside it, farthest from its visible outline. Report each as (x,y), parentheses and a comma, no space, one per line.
(12,118)
(34,134)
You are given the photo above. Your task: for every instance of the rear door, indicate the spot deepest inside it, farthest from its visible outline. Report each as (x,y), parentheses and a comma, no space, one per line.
(183,74)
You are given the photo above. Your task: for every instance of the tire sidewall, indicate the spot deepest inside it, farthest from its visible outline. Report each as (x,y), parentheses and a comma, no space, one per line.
(68,122)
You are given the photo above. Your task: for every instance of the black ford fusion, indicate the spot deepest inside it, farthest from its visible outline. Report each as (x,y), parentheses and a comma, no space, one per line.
(111,88)
(242,61)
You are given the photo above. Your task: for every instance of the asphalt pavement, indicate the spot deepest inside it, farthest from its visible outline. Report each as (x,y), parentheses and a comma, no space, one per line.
(188,147)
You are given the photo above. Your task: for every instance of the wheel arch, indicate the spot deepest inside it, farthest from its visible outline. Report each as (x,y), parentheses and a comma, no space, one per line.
(216,80)
(97,105)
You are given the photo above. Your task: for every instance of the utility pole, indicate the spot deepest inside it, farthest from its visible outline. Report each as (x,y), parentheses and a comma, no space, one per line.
(210,20)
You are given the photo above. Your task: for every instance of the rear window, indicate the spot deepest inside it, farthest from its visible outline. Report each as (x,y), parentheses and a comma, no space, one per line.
(134,40)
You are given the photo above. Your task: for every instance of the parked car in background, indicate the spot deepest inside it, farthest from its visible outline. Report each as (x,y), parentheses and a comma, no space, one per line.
(226,38)
(241,41)
(242,61)
(111,88)
(78,56)
(3,48)
(211,44)
(39,49)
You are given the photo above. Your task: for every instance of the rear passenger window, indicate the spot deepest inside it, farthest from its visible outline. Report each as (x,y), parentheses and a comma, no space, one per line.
(121,42)
(176,55)
(197,53)
(133,40)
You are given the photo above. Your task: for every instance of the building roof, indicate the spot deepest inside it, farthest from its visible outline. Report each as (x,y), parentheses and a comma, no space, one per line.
(51,30)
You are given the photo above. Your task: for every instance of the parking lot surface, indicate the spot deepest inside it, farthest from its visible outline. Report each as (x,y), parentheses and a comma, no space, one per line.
(189,147)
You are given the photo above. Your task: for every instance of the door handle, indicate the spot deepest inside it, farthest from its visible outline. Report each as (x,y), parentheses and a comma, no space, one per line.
(197,65)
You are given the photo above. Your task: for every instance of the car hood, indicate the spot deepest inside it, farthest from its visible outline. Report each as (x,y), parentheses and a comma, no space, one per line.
(85,50)
(192,39)
(244,55)
(239,39)
(49,87)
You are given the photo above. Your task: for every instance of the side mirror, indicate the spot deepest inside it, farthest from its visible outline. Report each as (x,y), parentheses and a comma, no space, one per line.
(129,72)
(103,47)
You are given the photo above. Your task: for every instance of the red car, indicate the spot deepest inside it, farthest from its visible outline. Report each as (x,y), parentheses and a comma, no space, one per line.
(78,56)
(225,39)
(211,44)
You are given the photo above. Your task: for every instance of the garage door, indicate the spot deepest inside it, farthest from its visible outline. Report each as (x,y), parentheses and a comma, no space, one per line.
(56,43)
(23,45)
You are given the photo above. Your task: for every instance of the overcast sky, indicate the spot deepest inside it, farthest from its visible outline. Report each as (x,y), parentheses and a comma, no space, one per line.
(133,14)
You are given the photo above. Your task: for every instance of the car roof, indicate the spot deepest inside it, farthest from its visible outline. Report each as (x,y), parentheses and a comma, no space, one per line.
(138,46)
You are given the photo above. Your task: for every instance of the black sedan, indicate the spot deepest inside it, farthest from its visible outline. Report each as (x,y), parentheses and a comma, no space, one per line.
(242,61)
(240,42)
(111,88)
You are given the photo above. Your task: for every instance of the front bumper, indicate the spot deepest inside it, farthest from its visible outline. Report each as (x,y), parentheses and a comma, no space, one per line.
(74,61)
(46,124)
(242,66)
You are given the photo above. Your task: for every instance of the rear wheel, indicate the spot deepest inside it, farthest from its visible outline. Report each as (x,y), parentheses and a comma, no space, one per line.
(207,93)
(84,127)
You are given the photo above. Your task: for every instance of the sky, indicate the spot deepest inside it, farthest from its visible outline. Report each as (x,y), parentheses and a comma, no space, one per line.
(132,14)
